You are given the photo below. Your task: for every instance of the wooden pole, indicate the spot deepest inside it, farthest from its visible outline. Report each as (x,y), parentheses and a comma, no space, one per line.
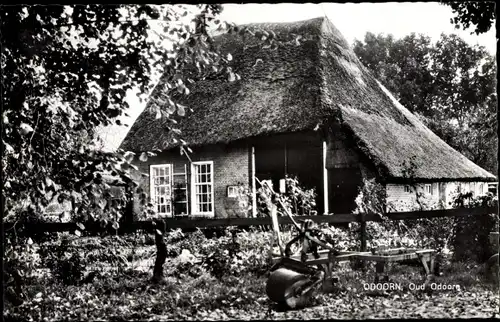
(325,180)
(254,188)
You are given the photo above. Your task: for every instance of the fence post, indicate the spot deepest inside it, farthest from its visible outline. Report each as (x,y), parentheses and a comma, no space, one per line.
(363,232)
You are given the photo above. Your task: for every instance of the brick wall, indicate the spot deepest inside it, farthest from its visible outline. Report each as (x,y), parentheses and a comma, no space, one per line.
(231,166)
(442,194)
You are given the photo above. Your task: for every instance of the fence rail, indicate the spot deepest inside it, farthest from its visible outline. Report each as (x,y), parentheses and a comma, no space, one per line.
(172,223)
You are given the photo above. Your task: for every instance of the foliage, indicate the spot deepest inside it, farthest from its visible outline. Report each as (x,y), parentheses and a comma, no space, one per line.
(450,85)
(298,200)
(466,237)
(301,201)
(234,253)
(17,260)
(67,70)
(65,263)
(472,233)
(129,295)
(371,198)
(66,73)
(72,260)
(480,14)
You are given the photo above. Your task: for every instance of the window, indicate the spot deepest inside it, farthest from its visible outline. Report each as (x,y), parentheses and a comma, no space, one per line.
(428,189)
(202,188)
(481,188)
(232,191)
(161,188)
(434,188)
(407,189)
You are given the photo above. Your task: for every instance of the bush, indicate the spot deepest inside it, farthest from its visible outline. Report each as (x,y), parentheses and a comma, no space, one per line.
(70,257)
(234,253)
(466,237)
(298,200)
(471,234)
(64,261)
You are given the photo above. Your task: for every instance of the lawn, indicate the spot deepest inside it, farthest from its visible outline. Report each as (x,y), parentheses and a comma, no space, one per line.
(204,281)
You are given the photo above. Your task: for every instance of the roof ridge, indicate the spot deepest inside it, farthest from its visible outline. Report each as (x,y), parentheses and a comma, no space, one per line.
(310,20)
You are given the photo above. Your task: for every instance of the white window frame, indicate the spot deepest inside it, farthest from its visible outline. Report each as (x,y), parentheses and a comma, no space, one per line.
(152,194)
(428,188)
(407,189)
(194,207)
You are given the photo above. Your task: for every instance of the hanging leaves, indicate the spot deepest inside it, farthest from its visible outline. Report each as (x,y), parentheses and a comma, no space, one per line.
(181,110)
(129,156)
(143,157)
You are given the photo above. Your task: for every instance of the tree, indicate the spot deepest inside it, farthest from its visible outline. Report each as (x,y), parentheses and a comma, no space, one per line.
(401,65)
(480,14)
(450,85)
(66,71)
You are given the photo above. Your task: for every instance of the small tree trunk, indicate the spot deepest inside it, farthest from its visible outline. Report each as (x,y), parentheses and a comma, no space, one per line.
(161,255)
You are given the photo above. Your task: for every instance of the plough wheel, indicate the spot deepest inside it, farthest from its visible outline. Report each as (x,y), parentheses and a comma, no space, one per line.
(285,286)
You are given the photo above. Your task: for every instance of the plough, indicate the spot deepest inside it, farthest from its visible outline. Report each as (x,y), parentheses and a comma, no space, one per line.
(295,277)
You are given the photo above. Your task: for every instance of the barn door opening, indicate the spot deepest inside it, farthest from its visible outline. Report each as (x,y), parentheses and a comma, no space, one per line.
(343,188)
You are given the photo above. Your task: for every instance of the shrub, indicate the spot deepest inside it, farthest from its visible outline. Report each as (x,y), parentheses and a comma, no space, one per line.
(297,199)
(64,261)
(471,234)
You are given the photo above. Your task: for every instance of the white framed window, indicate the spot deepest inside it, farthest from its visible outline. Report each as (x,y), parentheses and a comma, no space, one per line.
(232,191)
(481,188)
(428,189)
(160,183)
(202,187)
(407,189)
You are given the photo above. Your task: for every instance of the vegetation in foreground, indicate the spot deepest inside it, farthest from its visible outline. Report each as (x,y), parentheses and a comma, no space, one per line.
(222,277)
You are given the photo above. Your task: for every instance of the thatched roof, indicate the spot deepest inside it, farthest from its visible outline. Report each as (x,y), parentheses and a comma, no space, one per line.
(313,78)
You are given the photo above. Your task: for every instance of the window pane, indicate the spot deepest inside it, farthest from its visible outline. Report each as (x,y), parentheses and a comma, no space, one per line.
(202,188)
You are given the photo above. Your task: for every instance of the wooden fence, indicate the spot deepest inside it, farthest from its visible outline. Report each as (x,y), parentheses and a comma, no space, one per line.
(172,223)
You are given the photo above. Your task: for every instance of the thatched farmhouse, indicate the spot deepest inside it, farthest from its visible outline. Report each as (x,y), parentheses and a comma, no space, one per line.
(308,109)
